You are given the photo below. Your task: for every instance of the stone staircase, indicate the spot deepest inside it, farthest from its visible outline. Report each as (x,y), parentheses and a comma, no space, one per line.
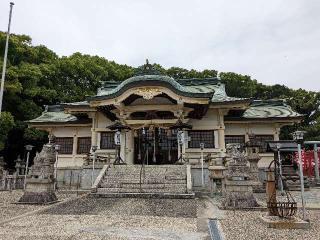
(292,179)
(152,181)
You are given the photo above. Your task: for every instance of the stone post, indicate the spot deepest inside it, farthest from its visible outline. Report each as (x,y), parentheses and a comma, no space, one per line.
(316,162)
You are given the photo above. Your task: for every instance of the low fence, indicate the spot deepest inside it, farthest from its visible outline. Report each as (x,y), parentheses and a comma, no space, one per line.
(11,182)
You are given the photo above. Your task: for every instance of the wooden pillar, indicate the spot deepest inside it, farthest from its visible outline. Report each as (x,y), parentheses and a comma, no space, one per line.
(271,190)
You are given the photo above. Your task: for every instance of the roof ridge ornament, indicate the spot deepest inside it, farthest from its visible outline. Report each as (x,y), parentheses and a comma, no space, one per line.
(147,69)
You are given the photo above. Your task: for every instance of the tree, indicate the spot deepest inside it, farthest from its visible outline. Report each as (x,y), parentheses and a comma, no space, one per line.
(6,124)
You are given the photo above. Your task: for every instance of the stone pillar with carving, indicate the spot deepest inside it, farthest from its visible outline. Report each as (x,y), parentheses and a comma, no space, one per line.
(40,181)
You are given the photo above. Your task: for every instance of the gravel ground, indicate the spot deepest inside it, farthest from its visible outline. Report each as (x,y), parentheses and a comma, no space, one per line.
(247,226)
(179,208)
(9,210)
(121,218)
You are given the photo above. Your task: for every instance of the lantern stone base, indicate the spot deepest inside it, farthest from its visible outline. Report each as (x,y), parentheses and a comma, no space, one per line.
(239,195)
(285,223)
(39,191)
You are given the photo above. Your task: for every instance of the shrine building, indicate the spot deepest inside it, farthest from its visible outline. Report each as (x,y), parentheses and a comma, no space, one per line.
(149,105)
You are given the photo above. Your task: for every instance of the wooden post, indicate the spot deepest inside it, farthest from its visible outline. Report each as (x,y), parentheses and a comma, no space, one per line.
(271,188)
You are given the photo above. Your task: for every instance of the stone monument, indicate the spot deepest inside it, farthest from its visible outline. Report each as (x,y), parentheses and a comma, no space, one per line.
(40,180)
(238,185)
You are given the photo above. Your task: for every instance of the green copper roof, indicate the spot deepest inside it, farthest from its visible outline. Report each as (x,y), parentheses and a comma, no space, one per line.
(210,85)
(55,114)
(211,88)
(270,109)
(107,92)
(266,109)
(194,87)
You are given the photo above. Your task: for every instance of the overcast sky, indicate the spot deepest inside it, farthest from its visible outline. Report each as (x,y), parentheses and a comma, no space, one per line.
(274,41)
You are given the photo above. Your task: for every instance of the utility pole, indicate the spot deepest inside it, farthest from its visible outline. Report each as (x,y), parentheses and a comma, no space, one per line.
(5,58)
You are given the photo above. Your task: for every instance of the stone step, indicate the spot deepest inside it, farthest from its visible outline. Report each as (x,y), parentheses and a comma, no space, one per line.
(137,190)
(147,181)
(134,174)
(133,186)
(154,180)
(144,186)
(145,195)
(137,172)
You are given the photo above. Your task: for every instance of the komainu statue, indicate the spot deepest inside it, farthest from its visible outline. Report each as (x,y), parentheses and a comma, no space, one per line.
(40,180)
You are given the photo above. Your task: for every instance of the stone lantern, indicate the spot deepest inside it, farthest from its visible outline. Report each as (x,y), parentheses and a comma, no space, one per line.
(20,166)
(252,150)
(238,185)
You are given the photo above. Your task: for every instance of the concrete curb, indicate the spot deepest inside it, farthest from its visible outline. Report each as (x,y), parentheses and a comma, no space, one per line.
(41,209)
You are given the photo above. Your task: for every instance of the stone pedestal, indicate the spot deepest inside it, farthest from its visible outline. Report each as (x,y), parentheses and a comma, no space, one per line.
(216,174)
(40,181)
(239,194)
(285,223)
(39,191)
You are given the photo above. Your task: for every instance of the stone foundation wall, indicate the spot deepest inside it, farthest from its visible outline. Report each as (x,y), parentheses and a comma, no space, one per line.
(80,178)
(73,178)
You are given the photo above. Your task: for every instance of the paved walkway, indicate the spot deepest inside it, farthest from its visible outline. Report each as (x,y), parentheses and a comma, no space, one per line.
(97,218)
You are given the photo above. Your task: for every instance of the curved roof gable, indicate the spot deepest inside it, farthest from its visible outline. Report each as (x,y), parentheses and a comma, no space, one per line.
(152,80)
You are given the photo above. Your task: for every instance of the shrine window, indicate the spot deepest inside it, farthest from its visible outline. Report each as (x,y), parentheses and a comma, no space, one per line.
(264,139)
(107,140)
(201,136)
(84,145)
(66,144)
(235,139)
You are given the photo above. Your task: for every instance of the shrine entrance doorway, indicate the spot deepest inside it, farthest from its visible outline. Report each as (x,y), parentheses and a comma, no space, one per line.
(155,146)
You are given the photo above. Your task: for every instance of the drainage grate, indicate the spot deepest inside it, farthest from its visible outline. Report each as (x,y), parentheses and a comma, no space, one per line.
(214,230)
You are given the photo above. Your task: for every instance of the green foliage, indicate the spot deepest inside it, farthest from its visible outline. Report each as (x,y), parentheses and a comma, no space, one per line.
(238,85)
(176,72)
(33,134)
(6,124)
